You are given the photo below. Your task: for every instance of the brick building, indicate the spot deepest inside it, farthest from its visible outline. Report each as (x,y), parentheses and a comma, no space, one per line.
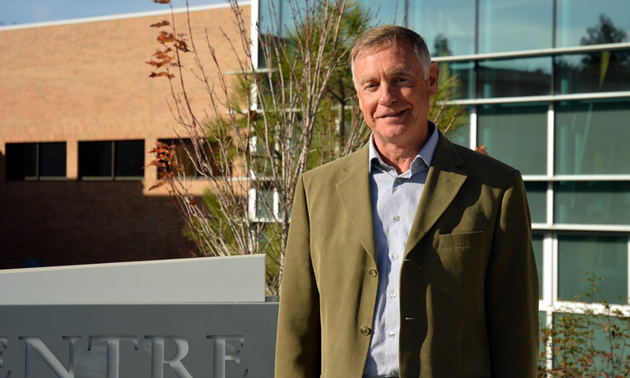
(79,115)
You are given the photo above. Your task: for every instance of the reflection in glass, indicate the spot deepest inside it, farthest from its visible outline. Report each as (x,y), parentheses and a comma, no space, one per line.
(592,202)
(386,12)
(537,198)
(515,134)
(512,25)
(598,256)
(537,242)
(591,137)
(588,22)
(448,26)
(602,71)
(264,201)
(465,72)
(461,133)
(514,77)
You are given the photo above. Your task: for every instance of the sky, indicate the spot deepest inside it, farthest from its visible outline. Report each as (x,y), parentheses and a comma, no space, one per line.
(18,12)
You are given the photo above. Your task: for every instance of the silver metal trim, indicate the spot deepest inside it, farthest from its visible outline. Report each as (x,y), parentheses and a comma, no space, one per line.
(533,53)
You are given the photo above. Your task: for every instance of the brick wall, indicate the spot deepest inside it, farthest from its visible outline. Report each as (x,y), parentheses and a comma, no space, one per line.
(87,81)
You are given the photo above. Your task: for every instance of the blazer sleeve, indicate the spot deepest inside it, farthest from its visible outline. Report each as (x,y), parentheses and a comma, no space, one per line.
(298,344)
(512,288)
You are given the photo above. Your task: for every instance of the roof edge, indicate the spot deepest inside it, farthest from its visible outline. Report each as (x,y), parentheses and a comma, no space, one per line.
(123,16)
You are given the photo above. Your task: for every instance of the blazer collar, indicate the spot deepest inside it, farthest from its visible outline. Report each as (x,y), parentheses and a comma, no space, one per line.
(354,192)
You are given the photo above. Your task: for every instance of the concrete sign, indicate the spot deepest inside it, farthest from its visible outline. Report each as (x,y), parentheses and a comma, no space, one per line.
(208,279)
(135,341)
(201,318)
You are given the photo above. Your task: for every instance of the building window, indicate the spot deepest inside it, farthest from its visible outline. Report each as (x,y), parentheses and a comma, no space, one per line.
(184,149)
(111,160)
(515,134)
(36,161)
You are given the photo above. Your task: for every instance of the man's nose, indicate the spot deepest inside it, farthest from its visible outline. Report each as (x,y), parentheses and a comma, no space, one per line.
(387,95)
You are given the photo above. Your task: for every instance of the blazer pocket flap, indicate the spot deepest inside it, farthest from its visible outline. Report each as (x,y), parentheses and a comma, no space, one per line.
(464,239)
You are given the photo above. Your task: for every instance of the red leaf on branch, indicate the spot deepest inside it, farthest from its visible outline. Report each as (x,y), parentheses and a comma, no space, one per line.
(161,183)
(159,64)
(159,74)
(161,1)
(161,55)
(181,45)
(160,24)
(165,37)
(481,149)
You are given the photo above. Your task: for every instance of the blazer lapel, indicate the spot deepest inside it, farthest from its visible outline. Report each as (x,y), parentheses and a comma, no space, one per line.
(443,183)
(354,192)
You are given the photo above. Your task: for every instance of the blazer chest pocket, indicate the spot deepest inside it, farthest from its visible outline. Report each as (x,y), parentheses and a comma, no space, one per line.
(462,240)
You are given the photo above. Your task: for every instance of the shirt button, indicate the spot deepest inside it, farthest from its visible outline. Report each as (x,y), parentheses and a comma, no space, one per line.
(393,295)
(395,256)
(373,272)
(365,330)
(397,218)
(397,181)
(392,334)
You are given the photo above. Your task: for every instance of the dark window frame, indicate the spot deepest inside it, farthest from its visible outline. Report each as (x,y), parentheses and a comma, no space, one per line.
(112,164)
(37,162)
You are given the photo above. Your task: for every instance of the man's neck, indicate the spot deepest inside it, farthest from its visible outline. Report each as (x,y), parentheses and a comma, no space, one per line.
(400,156)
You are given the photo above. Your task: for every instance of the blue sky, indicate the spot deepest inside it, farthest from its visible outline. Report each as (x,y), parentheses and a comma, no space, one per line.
(28,11)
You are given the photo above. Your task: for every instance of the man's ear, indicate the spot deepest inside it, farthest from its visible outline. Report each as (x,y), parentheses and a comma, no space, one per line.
(434,75)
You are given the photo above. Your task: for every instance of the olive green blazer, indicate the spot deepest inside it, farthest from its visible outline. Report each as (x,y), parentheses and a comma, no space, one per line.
(468,290)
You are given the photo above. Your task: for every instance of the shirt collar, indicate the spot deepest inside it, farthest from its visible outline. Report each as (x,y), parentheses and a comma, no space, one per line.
(426,154)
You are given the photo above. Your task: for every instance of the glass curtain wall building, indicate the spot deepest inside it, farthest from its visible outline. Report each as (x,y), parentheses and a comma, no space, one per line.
(547,87)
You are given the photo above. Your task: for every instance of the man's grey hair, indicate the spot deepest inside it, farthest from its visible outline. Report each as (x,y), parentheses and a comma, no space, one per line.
(391,35)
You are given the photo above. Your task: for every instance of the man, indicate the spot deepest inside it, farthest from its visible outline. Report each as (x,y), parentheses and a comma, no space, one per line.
(411,257)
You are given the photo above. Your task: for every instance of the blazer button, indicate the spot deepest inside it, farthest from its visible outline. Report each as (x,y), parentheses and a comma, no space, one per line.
(373,272)
(365,330)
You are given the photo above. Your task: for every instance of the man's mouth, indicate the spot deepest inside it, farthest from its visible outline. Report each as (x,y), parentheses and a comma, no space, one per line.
(393,114)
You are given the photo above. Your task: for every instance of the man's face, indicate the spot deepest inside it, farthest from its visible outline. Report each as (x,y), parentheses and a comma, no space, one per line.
(393,93)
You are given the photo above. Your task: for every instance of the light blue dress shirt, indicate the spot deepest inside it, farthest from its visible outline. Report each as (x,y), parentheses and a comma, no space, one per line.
(395,198)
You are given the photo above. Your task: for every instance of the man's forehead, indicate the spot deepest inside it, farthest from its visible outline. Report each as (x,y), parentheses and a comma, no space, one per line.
(385,45)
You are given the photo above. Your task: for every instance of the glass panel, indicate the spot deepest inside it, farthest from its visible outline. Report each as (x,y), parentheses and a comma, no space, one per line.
(514,77)
(95,159)
(592,202)
(264,201)
(386,12)
(588,22)
(460,133)
(602,71)
(537,242)
(21,161)
(182,157)
(52,159)
(510,25)
(585,262)
(537,198)
(515,134)
(448,26)
(275,15)
(465,72)
(129,158)
(592,137)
